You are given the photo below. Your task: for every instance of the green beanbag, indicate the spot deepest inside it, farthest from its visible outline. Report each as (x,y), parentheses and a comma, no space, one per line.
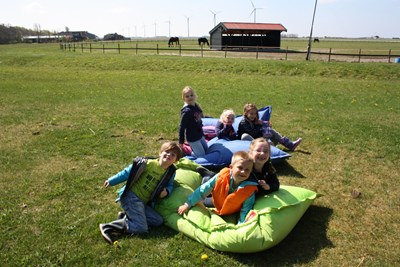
(271,220)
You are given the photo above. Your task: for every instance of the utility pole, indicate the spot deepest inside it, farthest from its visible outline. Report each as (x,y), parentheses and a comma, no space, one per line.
(309,39)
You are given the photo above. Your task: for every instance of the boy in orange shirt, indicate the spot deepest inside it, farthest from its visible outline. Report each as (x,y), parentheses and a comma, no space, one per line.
(231,191)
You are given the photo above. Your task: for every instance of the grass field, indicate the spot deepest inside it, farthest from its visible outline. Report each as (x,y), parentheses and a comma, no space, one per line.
(71,120)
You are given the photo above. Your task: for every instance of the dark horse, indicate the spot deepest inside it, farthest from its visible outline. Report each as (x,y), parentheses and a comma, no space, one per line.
(173,40)
(316,40)
(203,41)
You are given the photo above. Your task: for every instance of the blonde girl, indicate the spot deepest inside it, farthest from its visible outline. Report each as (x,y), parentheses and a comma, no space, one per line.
(191,126)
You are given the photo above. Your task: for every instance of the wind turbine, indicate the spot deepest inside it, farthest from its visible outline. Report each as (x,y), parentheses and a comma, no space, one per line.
(254,10)
(155,28)
(169,27)
(215,16)
(187,19)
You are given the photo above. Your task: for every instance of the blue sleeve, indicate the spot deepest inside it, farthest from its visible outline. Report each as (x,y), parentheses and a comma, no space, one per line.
(170,185)
(247,206)
(202,191)
(120,177)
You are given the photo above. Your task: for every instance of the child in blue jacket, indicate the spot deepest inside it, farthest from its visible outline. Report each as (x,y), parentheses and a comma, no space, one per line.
(148,180)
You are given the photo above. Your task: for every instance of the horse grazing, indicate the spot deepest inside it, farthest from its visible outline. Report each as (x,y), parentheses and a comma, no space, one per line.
(203,41)
(316,40)
(172,41)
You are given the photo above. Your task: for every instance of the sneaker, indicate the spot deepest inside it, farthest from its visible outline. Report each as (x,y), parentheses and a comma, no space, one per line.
(295,144)
(121,215)
(106,233)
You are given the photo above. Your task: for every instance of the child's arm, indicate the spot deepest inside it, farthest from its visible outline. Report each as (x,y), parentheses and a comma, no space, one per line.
(247,206)
(220,129)
(168,189)
(201,192)
(119,177)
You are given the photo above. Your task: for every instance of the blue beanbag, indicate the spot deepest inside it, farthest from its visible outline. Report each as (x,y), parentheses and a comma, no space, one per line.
(220,151)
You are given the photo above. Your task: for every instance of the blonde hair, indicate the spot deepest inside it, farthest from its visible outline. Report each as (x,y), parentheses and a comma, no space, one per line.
(225,114)
(187,89)
(249,106)
(260,140)
(241,156)
(172,146)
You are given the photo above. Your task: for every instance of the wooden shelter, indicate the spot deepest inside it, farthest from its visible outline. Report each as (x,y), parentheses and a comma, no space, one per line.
(242,34)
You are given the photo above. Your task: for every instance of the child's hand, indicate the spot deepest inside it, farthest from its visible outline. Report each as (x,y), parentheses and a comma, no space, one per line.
(106,183)
(164,193)
(264,185)
(183,209)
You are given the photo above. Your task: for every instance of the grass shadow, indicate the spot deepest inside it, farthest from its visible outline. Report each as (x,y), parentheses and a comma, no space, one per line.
(301,246)
(284,168)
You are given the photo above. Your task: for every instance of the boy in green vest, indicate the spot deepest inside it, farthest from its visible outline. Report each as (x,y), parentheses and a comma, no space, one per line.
(148,180)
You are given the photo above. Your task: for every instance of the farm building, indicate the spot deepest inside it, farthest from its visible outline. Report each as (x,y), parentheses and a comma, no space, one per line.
(239,34)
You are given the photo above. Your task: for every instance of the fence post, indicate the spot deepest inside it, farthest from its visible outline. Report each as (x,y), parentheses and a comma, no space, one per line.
(390,54)
(180,50)
(257,52)
(287,48)
(82,47)
(136,48)
(157,49)
(330,52)
(226,50)
(90,48)
(103,49)
(359,55)
(201,47)
(119,48)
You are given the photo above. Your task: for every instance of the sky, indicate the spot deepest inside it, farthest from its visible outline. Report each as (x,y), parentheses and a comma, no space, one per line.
(183,18)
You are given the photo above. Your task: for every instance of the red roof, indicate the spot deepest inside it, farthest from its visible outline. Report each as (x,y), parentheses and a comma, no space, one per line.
(241,27)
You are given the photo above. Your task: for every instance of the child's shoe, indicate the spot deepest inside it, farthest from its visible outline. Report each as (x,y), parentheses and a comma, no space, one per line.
(289,144)
(121,215)
(296,143)
(113,230)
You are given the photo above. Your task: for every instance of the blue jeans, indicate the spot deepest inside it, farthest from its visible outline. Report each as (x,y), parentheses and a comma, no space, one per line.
(199,147)
(138,215)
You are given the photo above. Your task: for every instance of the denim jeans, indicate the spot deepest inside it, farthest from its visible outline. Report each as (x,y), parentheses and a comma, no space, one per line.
(138,215)
(199,147)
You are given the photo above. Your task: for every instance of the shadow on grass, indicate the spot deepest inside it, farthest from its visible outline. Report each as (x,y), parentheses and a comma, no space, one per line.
(284,168)
(302,245)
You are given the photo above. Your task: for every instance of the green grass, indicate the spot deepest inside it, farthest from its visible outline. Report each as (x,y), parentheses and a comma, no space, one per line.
(71,120)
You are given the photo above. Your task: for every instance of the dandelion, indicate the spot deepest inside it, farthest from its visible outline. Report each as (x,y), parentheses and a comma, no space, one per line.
(204,257)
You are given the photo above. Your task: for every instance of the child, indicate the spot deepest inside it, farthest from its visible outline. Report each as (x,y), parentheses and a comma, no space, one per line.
(191,125)
(263,171)
(224,128)
(148,180)
(250,127)
(230,190)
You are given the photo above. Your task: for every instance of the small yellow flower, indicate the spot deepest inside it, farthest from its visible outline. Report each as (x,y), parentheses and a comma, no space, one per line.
(115,243)
(204,257)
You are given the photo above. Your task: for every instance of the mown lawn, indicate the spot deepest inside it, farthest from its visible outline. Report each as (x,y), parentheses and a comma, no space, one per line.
(71,120)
